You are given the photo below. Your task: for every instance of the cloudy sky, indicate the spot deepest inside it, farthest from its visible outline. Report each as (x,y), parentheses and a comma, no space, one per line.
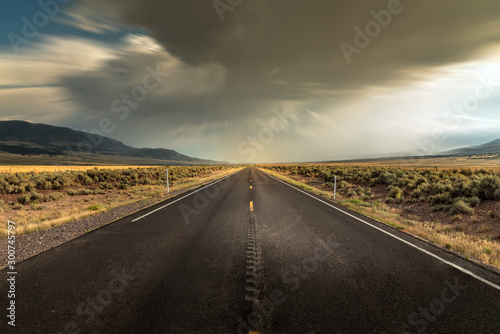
(258,80)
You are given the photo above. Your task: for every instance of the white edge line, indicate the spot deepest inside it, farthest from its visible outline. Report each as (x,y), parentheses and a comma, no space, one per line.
(396,237)
(208,185)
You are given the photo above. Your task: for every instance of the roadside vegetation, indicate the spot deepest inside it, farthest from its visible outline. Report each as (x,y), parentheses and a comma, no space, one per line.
(57,168)
(458,209)
(38,201)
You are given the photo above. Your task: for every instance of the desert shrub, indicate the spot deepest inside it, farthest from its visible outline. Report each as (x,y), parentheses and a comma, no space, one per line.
(43,185)
(460,207)
(351,193)
(360,190)
(395,193)
(54,196)
(123,185)
(462,188)
(387,178)
(473,201)
(84,179)
(442,187)
(420,180)
(343,185)
(425,187)
(105,185)
(411,185)
(72,192)
(417,193)
(85,191)
(402,182)
(64,180)
(38,207)
(497,194)
(30,186)
(375,173)
(31,197)
(145,182)
(441,199)
(488,186)
(466,171)
(24,199)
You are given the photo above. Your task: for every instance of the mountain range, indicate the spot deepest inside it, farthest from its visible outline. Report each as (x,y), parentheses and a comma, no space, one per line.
(31,143)
(492,147)
(23,142)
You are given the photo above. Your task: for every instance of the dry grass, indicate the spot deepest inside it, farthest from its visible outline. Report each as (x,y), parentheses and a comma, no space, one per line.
(35,218)
(439,163)
(455,238)
(52,168)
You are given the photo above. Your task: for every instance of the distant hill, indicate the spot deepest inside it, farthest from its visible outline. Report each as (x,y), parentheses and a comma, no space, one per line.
(493,147)
(24,142)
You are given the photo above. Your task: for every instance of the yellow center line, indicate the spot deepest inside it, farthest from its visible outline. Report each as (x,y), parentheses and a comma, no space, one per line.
(251,205)
(250,187)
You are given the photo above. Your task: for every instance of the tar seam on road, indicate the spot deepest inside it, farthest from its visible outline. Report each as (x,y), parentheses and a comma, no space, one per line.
(208,185)
(254,268)
(465,271)
(255,272)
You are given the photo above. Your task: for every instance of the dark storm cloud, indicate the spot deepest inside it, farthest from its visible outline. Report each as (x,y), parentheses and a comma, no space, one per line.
(284,44)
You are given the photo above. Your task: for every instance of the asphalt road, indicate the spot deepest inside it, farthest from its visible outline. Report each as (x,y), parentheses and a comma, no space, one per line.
(250,253)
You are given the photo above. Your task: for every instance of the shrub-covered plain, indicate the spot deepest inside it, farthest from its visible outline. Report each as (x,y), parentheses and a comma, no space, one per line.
(454,191)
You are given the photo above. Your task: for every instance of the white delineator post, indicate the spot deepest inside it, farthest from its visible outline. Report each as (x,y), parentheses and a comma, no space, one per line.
(168,188)
(335,188)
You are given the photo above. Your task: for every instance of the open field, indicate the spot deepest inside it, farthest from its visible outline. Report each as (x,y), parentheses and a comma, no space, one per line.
(85,159)
(491,162)
(53,168)
(456,209)
(38,201)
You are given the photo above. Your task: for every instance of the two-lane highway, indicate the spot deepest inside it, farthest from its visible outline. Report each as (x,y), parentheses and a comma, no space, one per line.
(209,262)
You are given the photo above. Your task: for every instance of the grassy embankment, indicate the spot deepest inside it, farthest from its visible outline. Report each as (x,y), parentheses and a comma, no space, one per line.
(455,209)
(39,201)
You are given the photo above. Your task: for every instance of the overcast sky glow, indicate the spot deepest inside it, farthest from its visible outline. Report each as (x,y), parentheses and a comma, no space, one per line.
(259,80)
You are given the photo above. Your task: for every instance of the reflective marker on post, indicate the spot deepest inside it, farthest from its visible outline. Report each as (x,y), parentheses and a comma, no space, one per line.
(335,187)
(168,187)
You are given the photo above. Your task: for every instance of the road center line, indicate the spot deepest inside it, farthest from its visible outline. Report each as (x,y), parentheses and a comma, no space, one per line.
(208,185)
(465,271)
